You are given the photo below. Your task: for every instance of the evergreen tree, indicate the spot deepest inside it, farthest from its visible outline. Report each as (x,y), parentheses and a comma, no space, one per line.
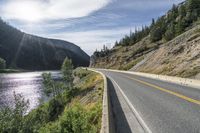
(116,43)
(193,5)
(156,34)
(180,26)
(182,11)
(174,12)
(166,27)
(193,10)
(170,33)
(153,22)
(67,71)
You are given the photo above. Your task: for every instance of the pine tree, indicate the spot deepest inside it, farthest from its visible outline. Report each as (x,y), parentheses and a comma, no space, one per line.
(193,5)
(67,71)
(156,34)
(193,9)
(116,44)
(170,33)
(182,11)
(180,26)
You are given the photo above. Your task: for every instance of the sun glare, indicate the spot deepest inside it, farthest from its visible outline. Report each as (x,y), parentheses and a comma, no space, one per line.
(26,11)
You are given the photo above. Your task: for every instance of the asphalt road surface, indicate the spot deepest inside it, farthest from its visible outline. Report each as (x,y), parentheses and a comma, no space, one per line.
(147,105)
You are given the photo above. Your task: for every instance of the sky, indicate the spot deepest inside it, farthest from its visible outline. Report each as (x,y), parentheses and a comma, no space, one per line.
(89,24)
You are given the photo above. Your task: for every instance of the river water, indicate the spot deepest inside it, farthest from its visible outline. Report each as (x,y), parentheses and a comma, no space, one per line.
(29,84)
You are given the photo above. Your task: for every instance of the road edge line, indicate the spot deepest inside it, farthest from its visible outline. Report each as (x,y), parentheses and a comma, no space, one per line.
(170,79)
(139,118)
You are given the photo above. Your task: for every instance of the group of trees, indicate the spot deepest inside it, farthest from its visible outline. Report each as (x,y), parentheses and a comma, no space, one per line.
(59,115)
(14,119)
(102,53)
(168,26)
(134,37)
(176,21)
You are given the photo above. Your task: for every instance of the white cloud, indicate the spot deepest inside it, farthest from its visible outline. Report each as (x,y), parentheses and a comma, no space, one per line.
(91,40)
(37,10)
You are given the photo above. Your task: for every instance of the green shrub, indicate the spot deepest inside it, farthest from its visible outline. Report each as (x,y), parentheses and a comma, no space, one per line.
(75,120)
(55,108)
(12,117)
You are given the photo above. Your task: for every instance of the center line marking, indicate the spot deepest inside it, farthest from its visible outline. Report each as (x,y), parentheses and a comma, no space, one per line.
(167,91)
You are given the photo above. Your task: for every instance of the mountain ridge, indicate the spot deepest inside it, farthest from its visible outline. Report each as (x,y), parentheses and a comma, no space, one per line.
(31,52)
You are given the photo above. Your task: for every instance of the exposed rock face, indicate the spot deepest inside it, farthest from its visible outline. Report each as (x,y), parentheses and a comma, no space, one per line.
(179,57)
(24,51)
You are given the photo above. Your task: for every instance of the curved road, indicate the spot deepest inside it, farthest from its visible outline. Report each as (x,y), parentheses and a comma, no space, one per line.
(146,105)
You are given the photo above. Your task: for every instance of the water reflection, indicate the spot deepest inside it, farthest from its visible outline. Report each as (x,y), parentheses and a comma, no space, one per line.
(28,84)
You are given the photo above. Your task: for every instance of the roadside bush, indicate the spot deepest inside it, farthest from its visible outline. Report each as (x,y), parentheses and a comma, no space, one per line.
(12,117)
(55,108)
(77,119)
(74,120)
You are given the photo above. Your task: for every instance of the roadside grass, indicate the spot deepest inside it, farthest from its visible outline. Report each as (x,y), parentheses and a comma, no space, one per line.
(189,73)
(82,113)
(89,80)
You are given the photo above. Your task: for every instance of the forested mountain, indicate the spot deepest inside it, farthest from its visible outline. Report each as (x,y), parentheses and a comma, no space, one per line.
(170,41)
(24,51)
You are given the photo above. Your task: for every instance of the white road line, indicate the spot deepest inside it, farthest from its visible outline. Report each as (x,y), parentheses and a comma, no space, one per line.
(141,121)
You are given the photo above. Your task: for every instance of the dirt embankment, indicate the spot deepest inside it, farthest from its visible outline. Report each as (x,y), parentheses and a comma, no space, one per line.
(178,57)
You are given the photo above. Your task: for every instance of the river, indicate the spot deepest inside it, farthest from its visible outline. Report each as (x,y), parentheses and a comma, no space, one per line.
(29,84)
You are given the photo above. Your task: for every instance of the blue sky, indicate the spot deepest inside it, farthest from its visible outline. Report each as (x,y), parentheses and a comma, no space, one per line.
(88,23)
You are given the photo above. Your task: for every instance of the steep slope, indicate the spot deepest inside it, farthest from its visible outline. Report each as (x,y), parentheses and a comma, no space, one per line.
(179,57)
(24,51)
(169,46)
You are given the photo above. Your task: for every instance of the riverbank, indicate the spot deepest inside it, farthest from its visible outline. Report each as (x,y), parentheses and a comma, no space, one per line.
(81,111)
(76,109)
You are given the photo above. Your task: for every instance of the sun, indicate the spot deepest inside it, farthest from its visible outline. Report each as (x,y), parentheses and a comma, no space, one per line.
(28,11)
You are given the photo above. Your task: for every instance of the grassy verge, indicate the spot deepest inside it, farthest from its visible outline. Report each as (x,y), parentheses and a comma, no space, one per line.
(77,112)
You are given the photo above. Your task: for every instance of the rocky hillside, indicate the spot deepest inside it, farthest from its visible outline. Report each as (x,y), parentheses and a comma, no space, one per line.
(178,55)
(24,51)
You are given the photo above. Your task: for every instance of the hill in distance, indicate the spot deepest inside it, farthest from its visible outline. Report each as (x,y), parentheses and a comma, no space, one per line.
(29,52)
(169,46)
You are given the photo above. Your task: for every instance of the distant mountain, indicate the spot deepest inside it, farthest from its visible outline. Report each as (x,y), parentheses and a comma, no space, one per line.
(24,51)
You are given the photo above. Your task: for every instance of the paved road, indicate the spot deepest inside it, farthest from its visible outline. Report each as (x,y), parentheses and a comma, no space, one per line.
(147,105)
